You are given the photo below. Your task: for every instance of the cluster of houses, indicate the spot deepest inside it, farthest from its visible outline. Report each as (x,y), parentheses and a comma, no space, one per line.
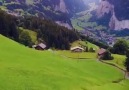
(42,46)
(99,35)
(100,52)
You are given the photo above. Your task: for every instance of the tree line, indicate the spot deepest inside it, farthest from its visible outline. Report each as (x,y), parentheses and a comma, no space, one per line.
(87,38)
(8,26)
(53,35)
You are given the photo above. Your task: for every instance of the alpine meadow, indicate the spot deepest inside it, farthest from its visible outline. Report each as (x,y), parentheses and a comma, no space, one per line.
(64,45)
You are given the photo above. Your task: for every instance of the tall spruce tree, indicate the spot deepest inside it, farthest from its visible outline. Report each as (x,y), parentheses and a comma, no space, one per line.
(127,60)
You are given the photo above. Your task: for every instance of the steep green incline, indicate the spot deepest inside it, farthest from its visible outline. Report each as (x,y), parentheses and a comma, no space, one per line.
(22,68)
(84,43)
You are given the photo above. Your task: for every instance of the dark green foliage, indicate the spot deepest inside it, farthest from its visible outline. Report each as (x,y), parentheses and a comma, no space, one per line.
(25,39)
(54,35)
(127,60)
(8,26)
(120,47)
(110,49)
(91,49)
(102,45)
(107,56)
(86,49)
(127,64)
(46,8)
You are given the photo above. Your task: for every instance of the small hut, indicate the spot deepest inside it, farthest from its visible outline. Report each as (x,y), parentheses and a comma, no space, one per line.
(77,49)
(39,46)
(101,52)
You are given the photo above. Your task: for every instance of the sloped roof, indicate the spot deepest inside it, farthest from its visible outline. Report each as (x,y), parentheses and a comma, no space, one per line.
(42,45)
(101,51)
(77,47)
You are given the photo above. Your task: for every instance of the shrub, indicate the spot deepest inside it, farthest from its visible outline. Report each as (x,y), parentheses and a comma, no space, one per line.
(86,49)
(127,61)
(91,50)
(120,47)
(107,56)
(25,39)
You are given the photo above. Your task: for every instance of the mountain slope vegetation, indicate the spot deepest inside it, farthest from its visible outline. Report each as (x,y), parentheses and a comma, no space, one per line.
(23,68)
(57,10)
(53,35)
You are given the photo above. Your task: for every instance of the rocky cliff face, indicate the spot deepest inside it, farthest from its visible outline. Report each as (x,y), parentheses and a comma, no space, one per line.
(118,11)
(57,10)
(61,6)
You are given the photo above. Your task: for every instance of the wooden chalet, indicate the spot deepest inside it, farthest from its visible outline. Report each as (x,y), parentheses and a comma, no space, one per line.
(39,46)
(77,49)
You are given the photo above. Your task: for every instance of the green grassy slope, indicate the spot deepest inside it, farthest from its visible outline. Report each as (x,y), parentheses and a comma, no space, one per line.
(82,21)
(86,55)
(118,60)
(84,43)
(22,68)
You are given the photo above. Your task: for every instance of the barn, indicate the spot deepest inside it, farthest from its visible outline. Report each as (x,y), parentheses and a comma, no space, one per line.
(101,52)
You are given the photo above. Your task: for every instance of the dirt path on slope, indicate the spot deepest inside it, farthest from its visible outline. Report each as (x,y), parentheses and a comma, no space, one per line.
(126,76)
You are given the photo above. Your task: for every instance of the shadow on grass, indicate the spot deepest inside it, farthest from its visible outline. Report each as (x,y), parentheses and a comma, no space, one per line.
(80,58)
(118,81)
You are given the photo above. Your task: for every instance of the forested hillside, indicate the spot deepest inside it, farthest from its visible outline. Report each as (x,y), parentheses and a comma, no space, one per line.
(53,35)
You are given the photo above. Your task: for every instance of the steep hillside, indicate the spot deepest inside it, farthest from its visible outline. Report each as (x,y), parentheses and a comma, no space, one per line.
(118,12)
(23,68)
(57,10)
(29,29)
(99,19)
(110,13)
(85,44)
(105,20)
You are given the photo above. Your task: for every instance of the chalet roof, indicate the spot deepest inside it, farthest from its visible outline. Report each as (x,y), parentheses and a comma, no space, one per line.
(43,46)
(77,47)
(101,51)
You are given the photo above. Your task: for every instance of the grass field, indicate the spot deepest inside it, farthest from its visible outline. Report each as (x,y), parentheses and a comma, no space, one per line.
(86,55)
(75,24)
(22,68)
(84,43)
(118,60)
